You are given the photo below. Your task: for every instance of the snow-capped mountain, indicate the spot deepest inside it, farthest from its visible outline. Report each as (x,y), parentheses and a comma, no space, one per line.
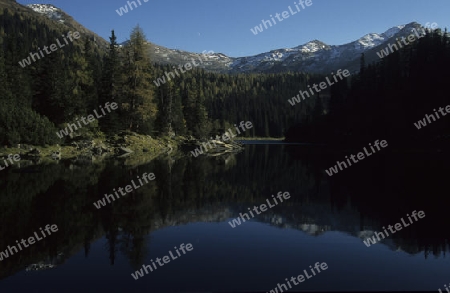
(318,57)
(314,56)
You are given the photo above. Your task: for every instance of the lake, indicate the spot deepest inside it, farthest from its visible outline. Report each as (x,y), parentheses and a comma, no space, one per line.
(192,200)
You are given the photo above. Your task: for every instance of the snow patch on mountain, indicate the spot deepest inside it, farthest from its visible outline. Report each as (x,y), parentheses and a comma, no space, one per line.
(392,31)
(48,10)
(370,41)
(312,47)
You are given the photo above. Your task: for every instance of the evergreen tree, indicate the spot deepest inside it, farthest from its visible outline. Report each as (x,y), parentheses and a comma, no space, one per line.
(139,107)
(110,88)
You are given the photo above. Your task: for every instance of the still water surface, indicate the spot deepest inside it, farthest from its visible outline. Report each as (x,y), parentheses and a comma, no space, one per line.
(192,200)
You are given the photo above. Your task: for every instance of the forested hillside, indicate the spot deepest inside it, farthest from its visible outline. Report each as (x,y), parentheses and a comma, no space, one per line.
(51,90)
(75,80)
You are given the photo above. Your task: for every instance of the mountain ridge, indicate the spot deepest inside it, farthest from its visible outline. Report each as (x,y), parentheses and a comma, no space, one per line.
(314,56)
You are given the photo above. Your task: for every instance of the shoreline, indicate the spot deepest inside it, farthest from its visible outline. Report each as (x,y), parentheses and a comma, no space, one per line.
(261,138)
(135,148)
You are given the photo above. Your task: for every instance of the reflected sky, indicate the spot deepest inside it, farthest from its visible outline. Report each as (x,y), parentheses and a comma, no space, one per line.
(253,256)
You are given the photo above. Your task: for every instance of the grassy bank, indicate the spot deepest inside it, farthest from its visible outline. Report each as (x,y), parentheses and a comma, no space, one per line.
(143,148)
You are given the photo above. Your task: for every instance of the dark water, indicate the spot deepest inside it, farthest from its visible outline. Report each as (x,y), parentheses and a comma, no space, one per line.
(192,200)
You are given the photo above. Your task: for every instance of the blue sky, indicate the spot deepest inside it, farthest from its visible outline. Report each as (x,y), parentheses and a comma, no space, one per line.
(224,26)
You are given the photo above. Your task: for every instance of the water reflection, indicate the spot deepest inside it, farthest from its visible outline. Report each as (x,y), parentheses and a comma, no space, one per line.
(356,203)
